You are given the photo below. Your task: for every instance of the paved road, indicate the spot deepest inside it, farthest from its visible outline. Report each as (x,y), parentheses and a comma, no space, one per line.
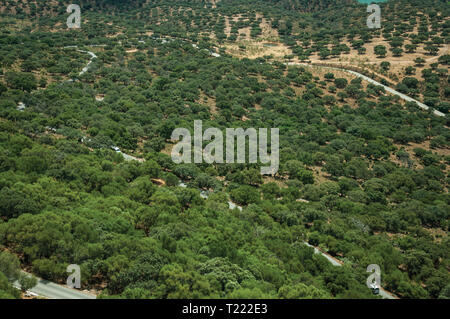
(92,54)
(335,262)
(386,295)
(130,158)
(370,80)
(387,88)
(51,290)
(403,96)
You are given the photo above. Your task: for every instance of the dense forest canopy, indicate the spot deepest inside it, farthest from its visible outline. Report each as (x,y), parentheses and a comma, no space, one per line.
(363,174)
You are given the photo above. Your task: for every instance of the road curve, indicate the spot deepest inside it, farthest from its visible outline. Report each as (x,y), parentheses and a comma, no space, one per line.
(55,291)
(92,54)
(387,88)
(335,262)
(51,290)
(368,79)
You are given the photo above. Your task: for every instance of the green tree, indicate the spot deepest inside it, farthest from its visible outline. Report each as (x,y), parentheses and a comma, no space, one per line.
(385,66)
(21,81)
(27,282)
(380,51)
(302,291)
(245,195)
(9,265)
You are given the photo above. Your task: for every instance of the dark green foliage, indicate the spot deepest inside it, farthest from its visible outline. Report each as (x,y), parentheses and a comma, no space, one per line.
(352,180)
